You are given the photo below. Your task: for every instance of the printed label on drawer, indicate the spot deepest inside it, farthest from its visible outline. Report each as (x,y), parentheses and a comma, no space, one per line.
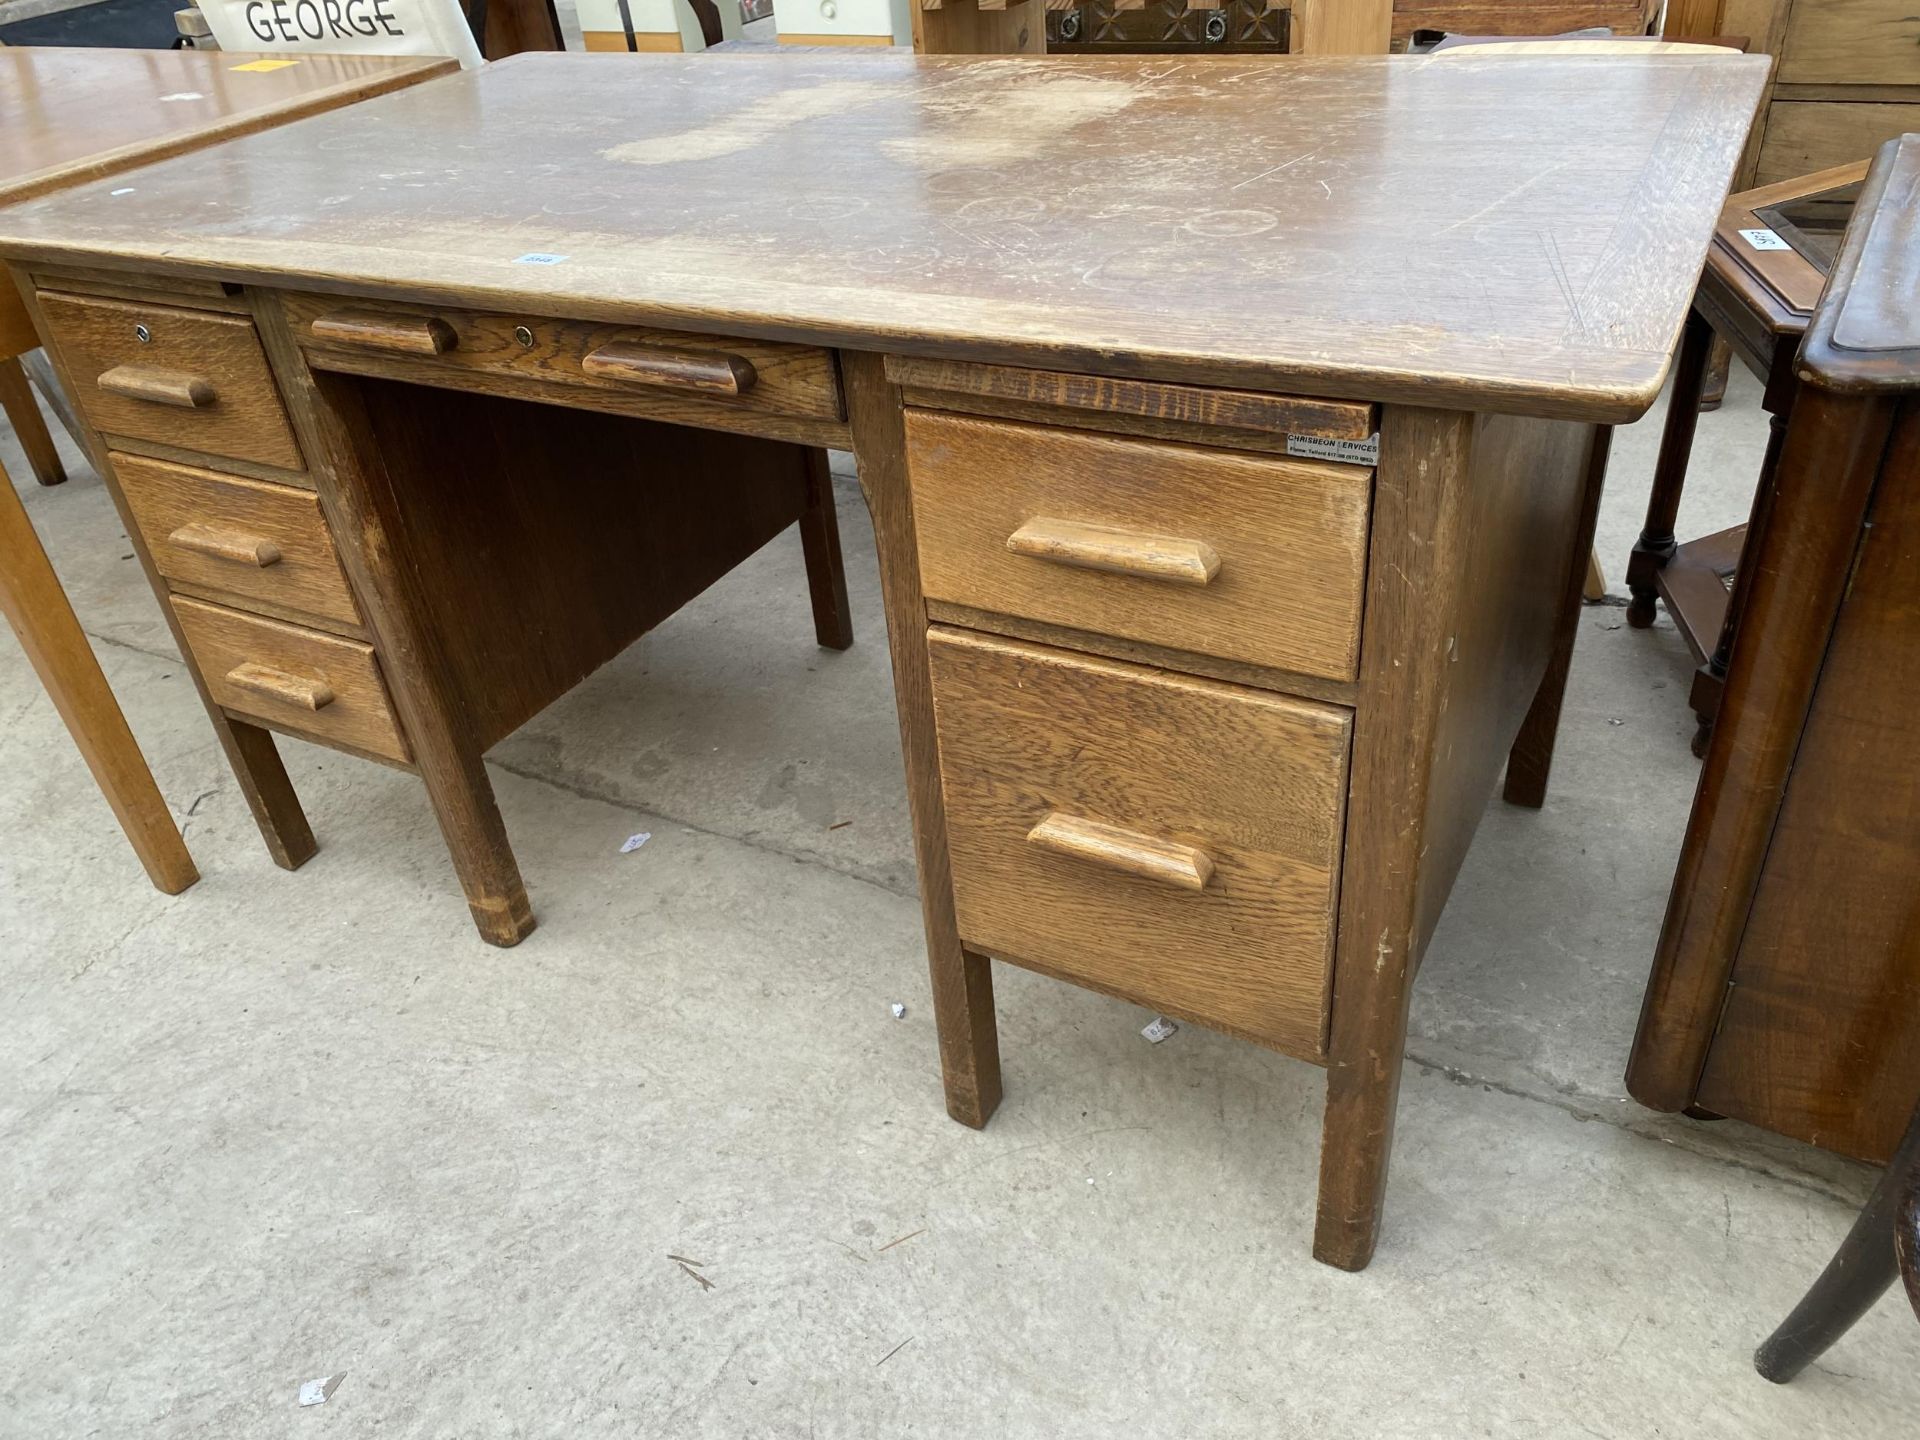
(1764,240)
(1347,452)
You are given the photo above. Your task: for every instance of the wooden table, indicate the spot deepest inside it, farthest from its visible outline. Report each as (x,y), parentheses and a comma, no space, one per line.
(1785,990)
(1218,593)
(1757,302)
(68,117)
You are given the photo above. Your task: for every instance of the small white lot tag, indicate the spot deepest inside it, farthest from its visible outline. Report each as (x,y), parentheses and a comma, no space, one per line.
(1347,452)
(1160,1029)
(1764,240)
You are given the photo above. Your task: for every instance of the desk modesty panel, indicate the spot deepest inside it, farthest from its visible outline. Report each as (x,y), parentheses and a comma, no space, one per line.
(1231,502)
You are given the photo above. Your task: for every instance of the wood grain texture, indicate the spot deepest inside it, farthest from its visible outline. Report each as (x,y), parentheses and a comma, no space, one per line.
(199,380)
(68,116)
(23,413)
(250,750)
(962,982)
(275,674)
(1792,593)
(1544,218)
(1289,537)
(1803,136)
(171,501)
(1253,782)
(1182,405)
(623,359)
(1851,42)
(41,619)
(1414,577)
(1519,17)
(1820,1034)
(1340,27)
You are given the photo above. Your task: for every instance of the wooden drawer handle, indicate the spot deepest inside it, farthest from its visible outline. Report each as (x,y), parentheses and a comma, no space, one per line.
(162,387)
(708,372)
(234,545)
(1119,552)
(404,334)
(1124,850)
(302,690)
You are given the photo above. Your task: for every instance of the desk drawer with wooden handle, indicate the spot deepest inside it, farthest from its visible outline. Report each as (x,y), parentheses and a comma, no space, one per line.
(317,686)
(246,538)
(1162,838)
(793,380)
(187,378)
(1246,557)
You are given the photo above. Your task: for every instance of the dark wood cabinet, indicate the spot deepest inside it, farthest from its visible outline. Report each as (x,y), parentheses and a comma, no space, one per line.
(1786,989)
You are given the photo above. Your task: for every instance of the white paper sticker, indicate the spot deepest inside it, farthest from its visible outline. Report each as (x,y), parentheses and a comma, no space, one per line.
(539,257)
(634,842)
(1346,452)
(316,1392)
(1159,1030)
(1764,240)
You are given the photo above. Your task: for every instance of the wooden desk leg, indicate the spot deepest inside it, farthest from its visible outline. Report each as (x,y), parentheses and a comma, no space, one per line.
(37,609)
(820,541)
(1416,567)
(1656,544)
(962,980)
(1532,757)
(16,398)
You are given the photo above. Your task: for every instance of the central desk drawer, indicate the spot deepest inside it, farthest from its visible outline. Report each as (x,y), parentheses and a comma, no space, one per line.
(793,380)
(188,378)
(1169,840)
(292,678)
(1244,557)
(244,537)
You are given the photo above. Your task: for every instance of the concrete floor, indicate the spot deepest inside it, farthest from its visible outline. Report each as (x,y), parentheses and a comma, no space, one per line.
(284,1126)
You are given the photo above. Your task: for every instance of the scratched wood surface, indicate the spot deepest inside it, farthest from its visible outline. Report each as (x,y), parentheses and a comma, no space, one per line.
(75,114)
(1515,232)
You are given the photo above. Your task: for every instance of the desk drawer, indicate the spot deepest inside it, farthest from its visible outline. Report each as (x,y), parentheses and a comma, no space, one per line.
(795,380)
(292,678)
(187,378)
(1240,556)
(1851,42)
(243,537)
(1166,839)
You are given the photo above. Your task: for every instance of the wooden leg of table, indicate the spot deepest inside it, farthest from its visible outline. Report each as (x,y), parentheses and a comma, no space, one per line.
(1416,572)
(37,609)
(820,541)
(962,980)
(16,398)
(1656,544)
(268,790)
(1595,590)
(476,836)
(40,371)
(1532,757)
(1860,1272)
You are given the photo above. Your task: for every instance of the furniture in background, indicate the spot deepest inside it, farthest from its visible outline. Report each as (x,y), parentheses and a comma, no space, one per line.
(1194,712)
(1416,21)
(1294,27)
(1786,988)
(510,27)
(1764,273)
(69,117)
(843,22)
(1883,1245)
(1846,76)
(653,27)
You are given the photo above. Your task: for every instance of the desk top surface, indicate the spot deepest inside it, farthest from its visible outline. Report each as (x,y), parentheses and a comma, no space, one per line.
(1503,232)
(70,115)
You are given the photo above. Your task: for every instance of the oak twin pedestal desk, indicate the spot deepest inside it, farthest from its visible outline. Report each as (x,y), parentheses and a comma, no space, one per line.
(1230,482)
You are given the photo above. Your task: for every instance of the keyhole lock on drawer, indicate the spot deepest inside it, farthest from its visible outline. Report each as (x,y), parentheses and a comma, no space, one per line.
(1215,28)
(142,334)
(524,336)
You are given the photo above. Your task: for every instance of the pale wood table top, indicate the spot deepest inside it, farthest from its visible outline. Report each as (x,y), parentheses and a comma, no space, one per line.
(71,115)
(1512,232)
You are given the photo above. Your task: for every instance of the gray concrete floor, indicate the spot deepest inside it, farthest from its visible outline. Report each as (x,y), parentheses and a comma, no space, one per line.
(289,1125)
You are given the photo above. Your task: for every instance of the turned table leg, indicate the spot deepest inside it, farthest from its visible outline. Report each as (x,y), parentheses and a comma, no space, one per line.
(50,634)
(1657,544)
(820,542)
